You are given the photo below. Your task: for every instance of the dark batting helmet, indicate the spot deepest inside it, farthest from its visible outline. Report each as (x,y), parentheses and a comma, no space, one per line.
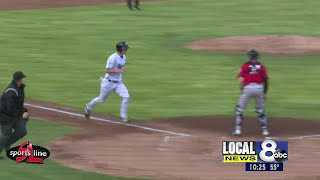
(253,54)
(122,46)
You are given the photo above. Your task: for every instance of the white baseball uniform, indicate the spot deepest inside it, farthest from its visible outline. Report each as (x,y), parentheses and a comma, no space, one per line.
(113,82)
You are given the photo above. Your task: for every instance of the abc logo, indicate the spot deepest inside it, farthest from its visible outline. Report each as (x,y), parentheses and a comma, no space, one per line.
(270,153)
(280,155)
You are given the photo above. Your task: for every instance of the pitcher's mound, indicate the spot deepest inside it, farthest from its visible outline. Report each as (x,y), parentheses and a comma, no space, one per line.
(272,44)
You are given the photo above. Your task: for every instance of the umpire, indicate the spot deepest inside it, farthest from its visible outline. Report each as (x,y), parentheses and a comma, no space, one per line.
(13,116)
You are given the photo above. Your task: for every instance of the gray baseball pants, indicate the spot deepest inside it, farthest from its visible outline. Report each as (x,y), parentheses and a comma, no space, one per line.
(251,91)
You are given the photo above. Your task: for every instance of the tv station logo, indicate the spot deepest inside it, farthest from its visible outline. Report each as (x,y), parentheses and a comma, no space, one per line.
(28,153)
(239,151)
(267,151)
(272,151)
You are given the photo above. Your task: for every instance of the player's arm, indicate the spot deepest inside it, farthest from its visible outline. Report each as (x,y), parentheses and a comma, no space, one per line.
(110,70)
(241,76)
(241,80)
(266,79)
(11,103)
(266,85)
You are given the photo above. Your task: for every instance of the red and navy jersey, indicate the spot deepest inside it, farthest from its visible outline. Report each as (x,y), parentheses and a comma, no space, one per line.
(253,73)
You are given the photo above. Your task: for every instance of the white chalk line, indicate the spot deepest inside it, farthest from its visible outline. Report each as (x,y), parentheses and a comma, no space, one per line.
(165,143)
(310,137)
(271,138)
(306,137)
(109,121)
(313,137)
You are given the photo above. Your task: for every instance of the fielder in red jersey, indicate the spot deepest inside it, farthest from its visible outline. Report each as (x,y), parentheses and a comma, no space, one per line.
(253,78)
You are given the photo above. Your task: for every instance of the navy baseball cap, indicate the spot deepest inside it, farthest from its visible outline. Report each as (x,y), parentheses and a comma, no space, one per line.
(18,75)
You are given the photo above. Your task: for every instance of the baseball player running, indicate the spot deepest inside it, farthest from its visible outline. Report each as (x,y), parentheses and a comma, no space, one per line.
(113,82)
(253,78)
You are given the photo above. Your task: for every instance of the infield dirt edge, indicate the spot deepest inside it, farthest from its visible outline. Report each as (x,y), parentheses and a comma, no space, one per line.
(266,44)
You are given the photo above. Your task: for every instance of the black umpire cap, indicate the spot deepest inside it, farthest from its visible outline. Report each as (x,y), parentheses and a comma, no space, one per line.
(18,75)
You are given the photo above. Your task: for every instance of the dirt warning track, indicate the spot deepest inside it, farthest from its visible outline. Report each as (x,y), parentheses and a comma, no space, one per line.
(6,5)
(193,151)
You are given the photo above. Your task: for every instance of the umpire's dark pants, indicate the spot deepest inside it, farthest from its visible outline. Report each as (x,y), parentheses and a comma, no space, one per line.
(7,125)
(130,3)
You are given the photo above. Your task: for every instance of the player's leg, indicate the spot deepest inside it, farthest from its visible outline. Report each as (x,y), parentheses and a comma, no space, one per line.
(6,130)
(129,4)
(137,4)
(240,108)
(20,130)
(260,109)
(122,91)
(105,89)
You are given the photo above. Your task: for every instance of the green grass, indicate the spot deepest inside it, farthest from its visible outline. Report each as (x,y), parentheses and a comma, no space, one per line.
(40,133)
(63,52)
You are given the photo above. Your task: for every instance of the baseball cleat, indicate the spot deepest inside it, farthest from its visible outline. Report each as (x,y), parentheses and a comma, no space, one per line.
(265,132)
(125,120)
(87,113)
(237,132)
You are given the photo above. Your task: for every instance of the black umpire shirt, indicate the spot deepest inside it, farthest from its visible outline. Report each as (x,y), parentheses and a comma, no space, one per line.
(12,100)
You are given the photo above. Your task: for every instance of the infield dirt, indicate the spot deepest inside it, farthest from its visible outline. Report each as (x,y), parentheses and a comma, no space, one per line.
(128,151)
(271,44)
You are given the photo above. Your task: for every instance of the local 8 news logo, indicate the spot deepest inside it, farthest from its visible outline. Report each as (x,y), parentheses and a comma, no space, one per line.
(268,151)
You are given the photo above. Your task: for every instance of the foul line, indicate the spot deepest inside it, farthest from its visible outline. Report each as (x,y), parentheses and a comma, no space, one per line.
(312,137)
(109,121)
(306,137)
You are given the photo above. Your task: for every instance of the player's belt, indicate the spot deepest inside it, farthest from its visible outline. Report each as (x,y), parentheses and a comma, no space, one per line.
(255,85)
(112,81)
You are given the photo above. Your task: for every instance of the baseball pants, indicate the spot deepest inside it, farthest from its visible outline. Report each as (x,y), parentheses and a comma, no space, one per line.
(7,125)
(137,2)
(251,91)
(106,89)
